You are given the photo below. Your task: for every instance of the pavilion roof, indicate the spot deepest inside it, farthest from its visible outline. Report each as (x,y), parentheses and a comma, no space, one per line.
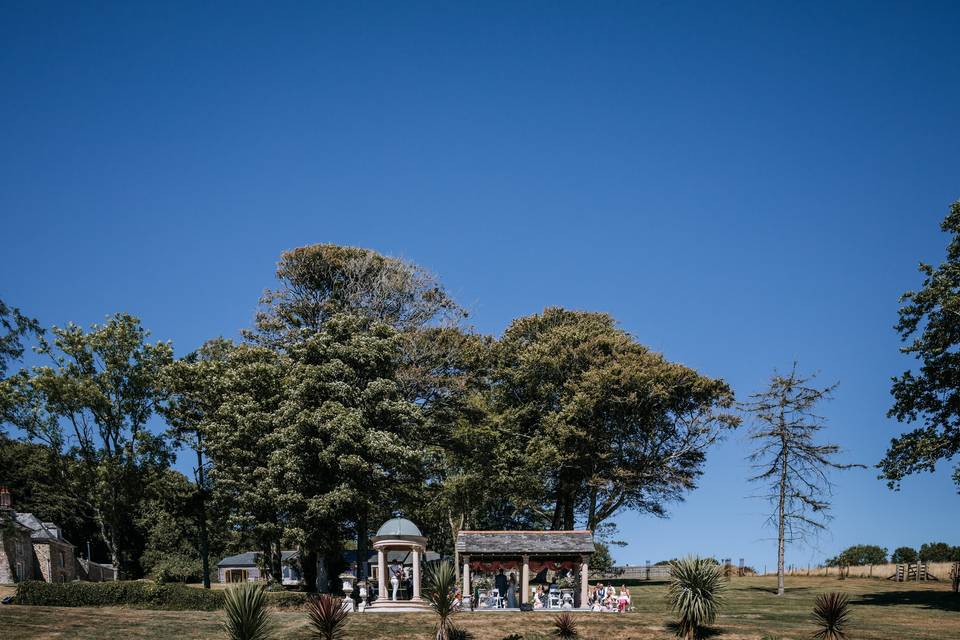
(525,542)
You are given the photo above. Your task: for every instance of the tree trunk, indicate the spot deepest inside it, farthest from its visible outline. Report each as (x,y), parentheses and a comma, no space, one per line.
(781,528)
(202,514)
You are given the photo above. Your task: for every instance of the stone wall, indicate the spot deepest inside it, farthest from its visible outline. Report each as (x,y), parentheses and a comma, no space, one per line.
(56,561)
(14,556)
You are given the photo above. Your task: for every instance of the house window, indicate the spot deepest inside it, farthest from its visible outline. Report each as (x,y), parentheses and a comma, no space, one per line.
(19,548)
(61,560)
(19,571)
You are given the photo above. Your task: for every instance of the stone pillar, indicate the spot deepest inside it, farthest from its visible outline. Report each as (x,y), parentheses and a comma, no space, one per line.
(525,581)
(382,587)
(584,577)
(416,573)
(467,593)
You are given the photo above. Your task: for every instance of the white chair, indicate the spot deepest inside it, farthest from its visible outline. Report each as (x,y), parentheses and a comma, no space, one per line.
(553,598)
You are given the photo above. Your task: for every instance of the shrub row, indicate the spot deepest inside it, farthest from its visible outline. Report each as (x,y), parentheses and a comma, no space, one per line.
(139,594)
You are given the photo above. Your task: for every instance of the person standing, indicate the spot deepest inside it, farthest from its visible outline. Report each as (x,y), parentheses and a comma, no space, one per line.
(396,572)
(512,591)
(500,582)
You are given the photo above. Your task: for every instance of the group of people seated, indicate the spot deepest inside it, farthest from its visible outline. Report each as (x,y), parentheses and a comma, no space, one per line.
(608,599)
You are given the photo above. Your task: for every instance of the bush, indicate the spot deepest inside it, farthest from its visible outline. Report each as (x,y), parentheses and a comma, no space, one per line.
(328,617)
(695,593)
(831,615)
(246,612)
(139,594)
(565,627)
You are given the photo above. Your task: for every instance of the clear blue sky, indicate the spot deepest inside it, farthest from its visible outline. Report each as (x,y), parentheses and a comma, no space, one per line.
(739,184)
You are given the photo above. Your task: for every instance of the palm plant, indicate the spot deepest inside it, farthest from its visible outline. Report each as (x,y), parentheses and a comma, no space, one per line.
(831,615)
(695,593)
(327,617)
(246,609)
(565,627)
(440,590)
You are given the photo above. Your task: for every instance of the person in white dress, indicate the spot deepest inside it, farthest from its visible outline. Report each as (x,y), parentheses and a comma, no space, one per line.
(395,573)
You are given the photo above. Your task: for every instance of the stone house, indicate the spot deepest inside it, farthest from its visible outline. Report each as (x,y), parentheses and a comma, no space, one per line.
(32,549)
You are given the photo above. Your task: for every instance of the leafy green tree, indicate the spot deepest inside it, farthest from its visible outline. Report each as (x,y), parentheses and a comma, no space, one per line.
(15,327)
(938,552)
(192,390)
(94,402)
(929,325)
(904,555)
(319,282)
(860,555)
(246,449)
(788,460)
(322,280)
(599,422)
(350,443)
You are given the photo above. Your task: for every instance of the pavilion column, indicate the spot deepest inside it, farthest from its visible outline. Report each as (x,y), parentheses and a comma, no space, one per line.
(467,594)
(525,580)
(416,573)
(584,577)
(381,574)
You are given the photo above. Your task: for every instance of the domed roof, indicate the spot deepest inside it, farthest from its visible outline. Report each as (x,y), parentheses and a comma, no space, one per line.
(398,527)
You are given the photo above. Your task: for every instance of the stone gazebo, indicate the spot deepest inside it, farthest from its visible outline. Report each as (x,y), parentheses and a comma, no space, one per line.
(398,534)
(528,552)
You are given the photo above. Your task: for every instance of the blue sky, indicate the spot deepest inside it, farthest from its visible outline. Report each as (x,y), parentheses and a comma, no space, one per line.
(740,185)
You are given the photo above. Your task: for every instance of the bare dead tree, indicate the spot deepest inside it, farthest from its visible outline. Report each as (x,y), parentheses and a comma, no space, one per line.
(793,468)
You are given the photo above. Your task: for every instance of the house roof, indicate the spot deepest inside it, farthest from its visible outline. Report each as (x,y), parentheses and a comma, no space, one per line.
(249,559)
(40,531)
(525,542)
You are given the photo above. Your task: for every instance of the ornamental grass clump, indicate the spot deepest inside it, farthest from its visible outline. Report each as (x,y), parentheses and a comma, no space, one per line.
(246,612)
(831,615)
(695,593)
(328,617)
(440,587)
(565,627)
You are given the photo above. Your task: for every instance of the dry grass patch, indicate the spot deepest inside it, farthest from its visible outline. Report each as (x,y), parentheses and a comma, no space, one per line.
(882,610)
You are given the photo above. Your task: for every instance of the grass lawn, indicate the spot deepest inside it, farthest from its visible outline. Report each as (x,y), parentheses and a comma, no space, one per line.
(882,610)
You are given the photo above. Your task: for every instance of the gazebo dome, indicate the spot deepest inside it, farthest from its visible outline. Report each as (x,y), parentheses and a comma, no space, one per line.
(398,527)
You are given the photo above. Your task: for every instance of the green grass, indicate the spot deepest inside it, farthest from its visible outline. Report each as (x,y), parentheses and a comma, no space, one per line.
(882,610)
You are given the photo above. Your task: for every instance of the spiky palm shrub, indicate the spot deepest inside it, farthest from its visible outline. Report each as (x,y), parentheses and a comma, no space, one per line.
(327,617)
(831,615)
(440,590)
(246,609)
(696,593)
(565,627)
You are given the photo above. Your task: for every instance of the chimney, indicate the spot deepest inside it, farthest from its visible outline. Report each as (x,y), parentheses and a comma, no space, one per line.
(6,500)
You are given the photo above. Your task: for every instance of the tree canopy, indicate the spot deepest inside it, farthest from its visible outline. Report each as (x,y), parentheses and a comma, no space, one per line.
(929,326)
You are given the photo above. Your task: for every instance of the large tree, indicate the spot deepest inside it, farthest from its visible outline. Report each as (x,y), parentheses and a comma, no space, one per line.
(192,390)
(93,403)
(15,327)
(790,464)
(929,326)
(247,450)
(319,282)
(600,422)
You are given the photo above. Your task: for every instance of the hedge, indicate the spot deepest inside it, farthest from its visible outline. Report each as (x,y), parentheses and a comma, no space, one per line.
(139,594)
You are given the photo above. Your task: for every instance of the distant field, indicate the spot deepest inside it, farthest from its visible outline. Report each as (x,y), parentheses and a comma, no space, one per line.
(883,610)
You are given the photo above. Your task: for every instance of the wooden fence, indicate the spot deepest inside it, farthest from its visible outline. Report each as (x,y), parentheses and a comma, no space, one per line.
(939,570)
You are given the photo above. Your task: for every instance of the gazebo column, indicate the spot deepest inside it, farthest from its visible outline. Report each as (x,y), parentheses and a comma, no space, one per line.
(525,580)
(416,573)
(584,577)
(381,574)
(467,594)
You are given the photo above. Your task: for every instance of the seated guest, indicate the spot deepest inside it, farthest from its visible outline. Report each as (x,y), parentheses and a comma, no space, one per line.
(623,599)
(539,597)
